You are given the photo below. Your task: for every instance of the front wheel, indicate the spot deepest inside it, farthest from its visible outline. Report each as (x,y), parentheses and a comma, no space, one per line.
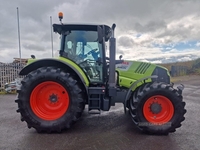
(50,100)
(157,108)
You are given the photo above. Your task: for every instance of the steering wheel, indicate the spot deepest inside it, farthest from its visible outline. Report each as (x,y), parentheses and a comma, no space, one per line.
(92,51)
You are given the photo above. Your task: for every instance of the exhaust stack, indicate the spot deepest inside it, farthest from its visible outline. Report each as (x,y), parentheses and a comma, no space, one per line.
(112,43)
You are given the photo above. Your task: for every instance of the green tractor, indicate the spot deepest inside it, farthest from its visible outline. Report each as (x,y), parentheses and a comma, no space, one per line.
(54,91)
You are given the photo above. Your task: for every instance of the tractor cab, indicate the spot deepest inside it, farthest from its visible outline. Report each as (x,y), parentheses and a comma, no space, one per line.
(85,45)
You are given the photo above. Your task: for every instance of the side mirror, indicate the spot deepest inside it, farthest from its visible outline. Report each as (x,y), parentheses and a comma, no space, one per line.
(33,56)
(100,34)
(120,57)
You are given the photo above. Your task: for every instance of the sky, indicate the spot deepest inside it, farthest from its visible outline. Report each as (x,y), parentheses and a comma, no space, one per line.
(157,31)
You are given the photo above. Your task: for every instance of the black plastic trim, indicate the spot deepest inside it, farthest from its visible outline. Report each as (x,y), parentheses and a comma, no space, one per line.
(162,75)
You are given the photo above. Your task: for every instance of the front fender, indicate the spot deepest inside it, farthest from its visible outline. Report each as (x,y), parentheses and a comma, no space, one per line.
(65,64)
(133,86)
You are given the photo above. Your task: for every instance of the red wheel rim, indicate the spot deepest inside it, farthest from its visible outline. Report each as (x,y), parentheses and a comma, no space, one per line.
(49,100)
(164,112)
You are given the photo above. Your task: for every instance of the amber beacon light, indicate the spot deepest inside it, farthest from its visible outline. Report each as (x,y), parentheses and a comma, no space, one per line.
(60,15)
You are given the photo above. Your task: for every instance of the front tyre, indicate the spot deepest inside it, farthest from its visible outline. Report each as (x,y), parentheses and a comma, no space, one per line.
(157,108)
(50,100)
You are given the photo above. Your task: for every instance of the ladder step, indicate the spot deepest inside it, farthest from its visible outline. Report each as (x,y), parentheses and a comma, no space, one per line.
(95,95)
(94,107)
(94,99)
(94,111)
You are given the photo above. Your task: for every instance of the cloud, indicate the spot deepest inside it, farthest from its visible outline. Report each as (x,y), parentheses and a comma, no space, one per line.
(126,41)
(198,44)
(146,30)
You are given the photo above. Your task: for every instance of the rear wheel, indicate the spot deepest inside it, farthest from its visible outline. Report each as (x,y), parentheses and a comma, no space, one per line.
(157,108)
(50,100)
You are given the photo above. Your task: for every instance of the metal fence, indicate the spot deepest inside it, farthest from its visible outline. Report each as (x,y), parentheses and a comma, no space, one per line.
(179,70)
(9,72)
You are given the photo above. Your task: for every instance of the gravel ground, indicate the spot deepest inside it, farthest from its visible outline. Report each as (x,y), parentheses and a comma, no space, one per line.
(111,130)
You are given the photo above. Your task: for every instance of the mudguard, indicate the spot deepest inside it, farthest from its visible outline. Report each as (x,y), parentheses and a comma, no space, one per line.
(65,64)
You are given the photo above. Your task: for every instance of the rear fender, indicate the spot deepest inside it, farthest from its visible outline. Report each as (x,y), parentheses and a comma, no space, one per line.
(66,65)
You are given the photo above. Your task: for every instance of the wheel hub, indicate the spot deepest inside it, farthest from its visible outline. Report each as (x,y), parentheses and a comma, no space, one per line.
(155,108)
(53,98)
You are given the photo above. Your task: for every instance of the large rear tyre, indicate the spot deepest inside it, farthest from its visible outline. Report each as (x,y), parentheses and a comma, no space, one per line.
(50,100)
(157,108)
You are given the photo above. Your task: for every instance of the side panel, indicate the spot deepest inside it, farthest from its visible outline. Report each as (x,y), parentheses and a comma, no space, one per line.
(131,71)
(60,62)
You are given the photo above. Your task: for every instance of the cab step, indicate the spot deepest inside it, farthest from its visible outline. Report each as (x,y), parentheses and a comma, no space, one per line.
(95,96)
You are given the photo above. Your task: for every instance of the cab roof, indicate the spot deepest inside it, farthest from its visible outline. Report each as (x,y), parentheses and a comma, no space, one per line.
(59,28)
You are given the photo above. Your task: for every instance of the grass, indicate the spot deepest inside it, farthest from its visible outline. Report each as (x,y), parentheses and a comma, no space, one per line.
(188,64)
(193,67)
(179,78)
(3,92)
